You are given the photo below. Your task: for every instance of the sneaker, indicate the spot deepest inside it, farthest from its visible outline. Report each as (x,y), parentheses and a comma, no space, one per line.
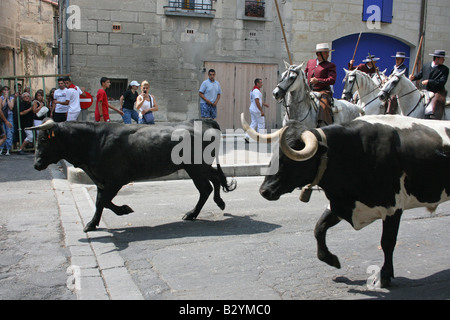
(7,152)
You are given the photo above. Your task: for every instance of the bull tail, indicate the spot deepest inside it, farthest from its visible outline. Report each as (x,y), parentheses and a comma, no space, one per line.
(226,187)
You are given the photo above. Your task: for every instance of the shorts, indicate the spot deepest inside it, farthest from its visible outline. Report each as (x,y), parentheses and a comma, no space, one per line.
(208,111)
(29,136)
(59,117)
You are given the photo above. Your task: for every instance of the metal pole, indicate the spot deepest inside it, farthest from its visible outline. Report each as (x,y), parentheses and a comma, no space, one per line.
(284,35)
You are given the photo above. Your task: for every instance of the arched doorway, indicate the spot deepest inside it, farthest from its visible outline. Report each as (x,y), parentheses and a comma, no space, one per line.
(379,45)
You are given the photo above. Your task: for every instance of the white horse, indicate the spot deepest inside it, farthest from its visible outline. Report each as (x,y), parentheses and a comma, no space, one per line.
(303,105)
(367,88)
(411,101)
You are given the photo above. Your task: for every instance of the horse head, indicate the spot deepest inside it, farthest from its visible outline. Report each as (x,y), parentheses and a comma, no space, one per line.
(289,81)
(349,84)
(391,87)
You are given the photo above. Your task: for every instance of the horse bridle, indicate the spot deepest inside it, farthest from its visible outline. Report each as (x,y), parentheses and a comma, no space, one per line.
(360,98)
(284,90)
(353,84)
(395,82)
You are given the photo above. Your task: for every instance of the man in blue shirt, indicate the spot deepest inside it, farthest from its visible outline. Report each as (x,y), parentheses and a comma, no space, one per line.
(209,93)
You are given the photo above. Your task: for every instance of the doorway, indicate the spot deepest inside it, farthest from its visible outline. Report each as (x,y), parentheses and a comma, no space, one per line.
(383,47)
(237,81)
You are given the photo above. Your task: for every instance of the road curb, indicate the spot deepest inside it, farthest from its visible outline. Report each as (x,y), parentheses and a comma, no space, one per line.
(97,271)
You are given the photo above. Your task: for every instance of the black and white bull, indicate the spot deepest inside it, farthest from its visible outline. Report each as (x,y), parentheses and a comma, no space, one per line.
(372,168)
(113,155)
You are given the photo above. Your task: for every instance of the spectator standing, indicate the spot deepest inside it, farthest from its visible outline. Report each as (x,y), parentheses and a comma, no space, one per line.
(73,96)
(6,124)
(209,93)
(146,104)
(127,102)
(256,108)
(102,106)
(38,105)
(26,120)
(50,102)
(60,95)
(18,90)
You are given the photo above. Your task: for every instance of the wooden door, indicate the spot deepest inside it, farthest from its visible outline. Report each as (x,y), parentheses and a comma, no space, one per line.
(236,81)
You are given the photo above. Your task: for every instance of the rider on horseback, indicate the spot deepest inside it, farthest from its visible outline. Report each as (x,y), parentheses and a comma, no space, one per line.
(368,66)
(321,76)
(392,104)
(434,75)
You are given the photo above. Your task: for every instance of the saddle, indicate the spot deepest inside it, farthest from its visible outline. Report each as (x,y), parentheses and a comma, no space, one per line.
(324,99)
(435,103)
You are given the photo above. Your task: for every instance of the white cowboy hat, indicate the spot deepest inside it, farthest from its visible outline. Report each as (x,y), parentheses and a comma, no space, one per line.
(134,83)
(323,47)
(400,54)
(438,53)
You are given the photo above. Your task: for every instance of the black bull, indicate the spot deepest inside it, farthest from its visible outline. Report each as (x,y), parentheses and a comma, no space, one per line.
(372,168)
(113,155)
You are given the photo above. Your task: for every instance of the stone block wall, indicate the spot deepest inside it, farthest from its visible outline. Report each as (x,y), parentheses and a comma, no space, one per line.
(170,50)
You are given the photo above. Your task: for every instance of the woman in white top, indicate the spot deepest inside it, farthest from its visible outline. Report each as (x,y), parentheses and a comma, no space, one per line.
(146,104)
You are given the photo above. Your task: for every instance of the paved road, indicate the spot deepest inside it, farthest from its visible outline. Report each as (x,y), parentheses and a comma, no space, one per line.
(33,258)
(254,249)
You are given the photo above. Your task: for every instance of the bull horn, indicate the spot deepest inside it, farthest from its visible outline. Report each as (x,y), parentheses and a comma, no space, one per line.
(258,136)
(310,149)
(44,126)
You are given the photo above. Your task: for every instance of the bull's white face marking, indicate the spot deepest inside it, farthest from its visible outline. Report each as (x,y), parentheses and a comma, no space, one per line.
(363,215)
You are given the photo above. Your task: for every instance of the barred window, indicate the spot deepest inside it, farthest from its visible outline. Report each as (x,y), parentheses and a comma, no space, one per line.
(117,88)
(255,8)
(194,6)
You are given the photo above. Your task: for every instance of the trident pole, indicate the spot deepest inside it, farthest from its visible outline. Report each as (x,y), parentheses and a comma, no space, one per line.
(284,35)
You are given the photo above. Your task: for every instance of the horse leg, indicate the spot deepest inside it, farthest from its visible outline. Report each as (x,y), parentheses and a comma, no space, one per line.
(326,221)
(388,240)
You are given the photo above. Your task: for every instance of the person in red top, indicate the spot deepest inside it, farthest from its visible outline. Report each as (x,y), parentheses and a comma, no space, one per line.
(321,76)
(320,72)
(368,66)
(102,105)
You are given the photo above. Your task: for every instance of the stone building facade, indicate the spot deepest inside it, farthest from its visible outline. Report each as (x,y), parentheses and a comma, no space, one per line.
(27,39)
(171,43)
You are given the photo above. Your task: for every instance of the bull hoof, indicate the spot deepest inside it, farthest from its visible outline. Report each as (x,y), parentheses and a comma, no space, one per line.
(330,259)
(385,283)
(91,226)
(124,210)
(190,216)
(221,204)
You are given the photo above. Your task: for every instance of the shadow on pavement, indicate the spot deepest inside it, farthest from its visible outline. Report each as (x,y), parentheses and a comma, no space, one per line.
(231,226)
(433,287)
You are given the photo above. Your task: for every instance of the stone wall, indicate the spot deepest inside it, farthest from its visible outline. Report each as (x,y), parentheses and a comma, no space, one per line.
(27,27)
(170,50)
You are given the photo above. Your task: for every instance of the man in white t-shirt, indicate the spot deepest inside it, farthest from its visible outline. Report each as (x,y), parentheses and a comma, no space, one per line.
(59,96)
(256,108)
(73,95)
